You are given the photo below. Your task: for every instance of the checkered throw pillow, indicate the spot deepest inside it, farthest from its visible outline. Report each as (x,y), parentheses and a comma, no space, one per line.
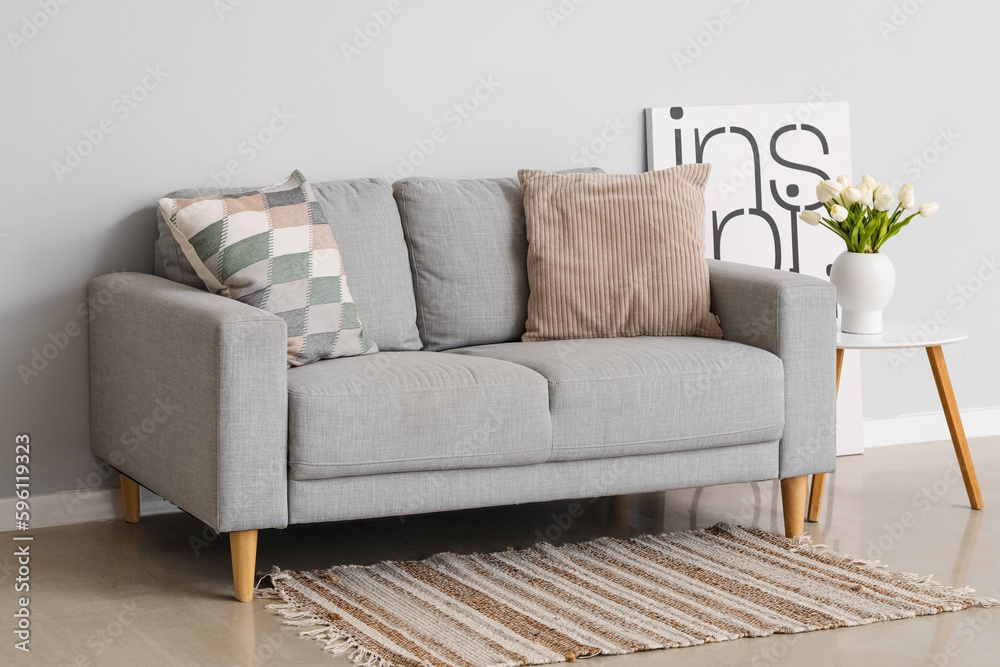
(272,248)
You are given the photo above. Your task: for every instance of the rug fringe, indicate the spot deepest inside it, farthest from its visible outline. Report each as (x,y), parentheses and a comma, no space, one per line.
(334,641)
(951,595)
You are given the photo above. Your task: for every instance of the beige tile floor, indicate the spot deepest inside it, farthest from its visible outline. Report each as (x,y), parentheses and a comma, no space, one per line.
(116,594)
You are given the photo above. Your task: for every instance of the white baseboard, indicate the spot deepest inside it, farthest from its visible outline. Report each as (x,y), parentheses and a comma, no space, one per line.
(64,508)
(928,427)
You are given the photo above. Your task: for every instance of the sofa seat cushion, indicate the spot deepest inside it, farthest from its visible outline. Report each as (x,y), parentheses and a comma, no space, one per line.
(646,395)
(411,411)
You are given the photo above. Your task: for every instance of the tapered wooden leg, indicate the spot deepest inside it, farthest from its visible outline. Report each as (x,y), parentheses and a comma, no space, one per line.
(243,545)
(793,504)
(130,498)
(819,480)
(947,394)
(816,497)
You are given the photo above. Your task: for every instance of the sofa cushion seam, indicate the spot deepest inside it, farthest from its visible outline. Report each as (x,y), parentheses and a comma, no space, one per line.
(680,439)
(659,377)
(302,396)
(420,458)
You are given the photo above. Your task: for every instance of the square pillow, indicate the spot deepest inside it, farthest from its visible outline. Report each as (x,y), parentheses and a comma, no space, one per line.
(614,255)
(468,253)
(272,248)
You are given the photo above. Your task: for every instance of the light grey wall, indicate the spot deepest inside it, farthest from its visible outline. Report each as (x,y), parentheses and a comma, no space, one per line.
(221,75)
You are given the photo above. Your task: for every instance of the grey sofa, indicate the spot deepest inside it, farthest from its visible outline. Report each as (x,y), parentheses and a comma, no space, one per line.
(191,397)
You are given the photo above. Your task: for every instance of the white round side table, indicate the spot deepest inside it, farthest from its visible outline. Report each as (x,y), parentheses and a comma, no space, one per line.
(897,335)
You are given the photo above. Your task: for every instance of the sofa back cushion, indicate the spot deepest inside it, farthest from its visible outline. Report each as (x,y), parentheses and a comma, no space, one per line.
(365,222)
(468,252)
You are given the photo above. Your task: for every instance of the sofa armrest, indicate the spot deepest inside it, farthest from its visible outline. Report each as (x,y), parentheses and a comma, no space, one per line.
(189,398)
(794,317)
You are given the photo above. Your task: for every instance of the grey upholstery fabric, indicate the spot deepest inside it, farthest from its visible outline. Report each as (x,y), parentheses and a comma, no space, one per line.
(645,395)
(468,252)
(189,398)
(397,411)
(365,222)
(793,317)
(396,494)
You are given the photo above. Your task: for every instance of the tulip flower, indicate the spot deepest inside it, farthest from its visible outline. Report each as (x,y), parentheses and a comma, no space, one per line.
(928,209)
(838,213)
(865,215)
(850,196)
(906,195)
(866,197)
(827,190)
(810,217)
(883,202)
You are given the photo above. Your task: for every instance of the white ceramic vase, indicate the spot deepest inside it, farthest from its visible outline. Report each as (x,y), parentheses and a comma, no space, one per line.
(865,282)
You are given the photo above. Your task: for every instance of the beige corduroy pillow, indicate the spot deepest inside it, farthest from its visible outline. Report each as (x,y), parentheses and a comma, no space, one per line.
(614,255)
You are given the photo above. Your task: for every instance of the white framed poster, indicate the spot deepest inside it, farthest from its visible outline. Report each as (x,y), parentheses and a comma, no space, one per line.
(766,160)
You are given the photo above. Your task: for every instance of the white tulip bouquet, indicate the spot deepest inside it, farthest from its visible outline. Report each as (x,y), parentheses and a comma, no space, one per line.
(860,215)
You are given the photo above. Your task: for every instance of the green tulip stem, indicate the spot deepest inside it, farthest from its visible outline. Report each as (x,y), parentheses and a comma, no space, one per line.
(865,229)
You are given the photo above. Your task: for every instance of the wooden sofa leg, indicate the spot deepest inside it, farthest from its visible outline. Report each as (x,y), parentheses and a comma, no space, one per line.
(816,497)
(793,504)
(130,498)
(243,546)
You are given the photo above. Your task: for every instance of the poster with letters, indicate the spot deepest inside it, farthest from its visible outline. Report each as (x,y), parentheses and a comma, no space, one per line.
(766,161)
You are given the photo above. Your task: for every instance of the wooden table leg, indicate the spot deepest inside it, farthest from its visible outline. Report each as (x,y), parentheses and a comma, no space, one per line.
(947,394)
(819,480)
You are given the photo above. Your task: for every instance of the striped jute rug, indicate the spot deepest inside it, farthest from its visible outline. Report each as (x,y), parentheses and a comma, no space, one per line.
(551,604)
